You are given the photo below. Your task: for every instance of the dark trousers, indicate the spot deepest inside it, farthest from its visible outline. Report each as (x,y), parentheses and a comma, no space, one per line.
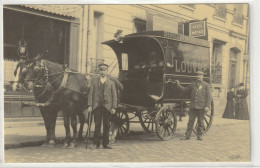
(199,113)
(99,114)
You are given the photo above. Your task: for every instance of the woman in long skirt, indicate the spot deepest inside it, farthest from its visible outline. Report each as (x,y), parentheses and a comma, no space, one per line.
(241,110)
(230,106)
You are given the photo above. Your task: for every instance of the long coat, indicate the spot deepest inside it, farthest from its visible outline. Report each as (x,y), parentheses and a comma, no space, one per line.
(110,94)
(200,94)
(241,110)
(230,106)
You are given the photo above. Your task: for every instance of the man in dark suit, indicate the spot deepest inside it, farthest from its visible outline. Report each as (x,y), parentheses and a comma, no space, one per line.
(200,103)
(102,99)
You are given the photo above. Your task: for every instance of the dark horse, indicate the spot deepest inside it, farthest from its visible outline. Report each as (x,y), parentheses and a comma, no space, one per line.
(57,88)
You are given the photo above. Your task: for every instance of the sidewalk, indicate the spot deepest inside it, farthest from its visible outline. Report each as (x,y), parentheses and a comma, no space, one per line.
(31,131)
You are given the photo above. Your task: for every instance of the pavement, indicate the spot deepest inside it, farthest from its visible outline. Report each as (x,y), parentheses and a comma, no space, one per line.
(225,142)
(26,132)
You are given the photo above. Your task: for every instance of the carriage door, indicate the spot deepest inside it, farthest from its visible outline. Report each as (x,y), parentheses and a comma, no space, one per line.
(233,67)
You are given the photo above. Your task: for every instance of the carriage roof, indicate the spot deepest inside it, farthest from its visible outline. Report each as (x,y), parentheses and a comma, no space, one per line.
(155,35)
(168,46)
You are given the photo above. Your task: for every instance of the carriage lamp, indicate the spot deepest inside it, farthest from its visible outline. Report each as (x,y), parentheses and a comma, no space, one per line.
(22,48)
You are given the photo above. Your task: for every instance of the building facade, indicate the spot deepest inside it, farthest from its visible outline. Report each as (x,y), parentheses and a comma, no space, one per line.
(29,29)
(228,27)
(73,35)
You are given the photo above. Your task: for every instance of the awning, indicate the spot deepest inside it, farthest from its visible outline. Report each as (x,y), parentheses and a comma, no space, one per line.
(64,10)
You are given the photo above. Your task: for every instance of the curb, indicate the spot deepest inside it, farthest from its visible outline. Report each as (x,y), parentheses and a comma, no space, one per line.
(27,124)
(30,144)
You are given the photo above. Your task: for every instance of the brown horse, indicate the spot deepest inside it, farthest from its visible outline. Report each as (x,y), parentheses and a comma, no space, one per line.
(57,88)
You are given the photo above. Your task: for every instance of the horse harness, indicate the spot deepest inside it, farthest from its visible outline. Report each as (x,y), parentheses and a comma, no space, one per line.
(42,65)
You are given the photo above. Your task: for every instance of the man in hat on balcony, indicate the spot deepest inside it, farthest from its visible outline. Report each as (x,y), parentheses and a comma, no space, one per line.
(102,99)
(200,103)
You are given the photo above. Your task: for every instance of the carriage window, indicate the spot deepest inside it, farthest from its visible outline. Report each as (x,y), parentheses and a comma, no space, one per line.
(124,61)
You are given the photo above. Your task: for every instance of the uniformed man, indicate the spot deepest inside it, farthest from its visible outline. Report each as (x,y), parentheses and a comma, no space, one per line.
(200,103)
(102,99)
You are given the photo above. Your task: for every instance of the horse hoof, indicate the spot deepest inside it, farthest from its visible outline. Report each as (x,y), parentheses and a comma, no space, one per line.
(50,145)
(44,144)
(66,145)
(51,142)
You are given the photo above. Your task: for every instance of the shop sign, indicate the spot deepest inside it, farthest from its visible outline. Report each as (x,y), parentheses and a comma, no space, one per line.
(197,29)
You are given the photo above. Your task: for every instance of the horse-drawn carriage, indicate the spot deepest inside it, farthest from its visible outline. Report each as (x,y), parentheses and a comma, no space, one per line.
(149,63)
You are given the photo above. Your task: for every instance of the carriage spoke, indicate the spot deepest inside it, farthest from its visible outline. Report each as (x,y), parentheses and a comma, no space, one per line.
(123,128)
(171,128)
(208,115)
(160,128)
(168,130)
(206,121)
(146,120)
(204,127)
(118,130)
(122,132)
(149,124)
(121,115)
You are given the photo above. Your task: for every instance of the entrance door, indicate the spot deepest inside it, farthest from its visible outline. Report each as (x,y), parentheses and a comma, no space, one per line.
(232,71)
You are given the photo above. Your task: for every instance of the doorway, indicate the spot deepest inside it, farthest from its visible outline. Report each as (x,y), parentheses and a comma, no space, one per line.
(233,67)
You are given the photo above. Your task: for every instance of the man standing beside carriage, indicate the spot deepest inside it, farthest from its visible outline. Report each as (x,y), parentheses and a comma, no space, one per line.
(200,103)
(102,100)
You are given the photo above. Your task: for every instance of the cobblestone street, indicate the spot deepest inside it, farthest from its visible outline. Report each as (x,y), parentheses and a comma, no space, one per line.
(223,143)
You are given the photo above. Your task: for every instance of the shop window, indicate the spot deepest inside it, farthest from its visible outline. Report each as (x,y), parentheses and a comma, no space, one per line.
(38,33)
(238,14)
(220,10)
(140,25)
(216,62)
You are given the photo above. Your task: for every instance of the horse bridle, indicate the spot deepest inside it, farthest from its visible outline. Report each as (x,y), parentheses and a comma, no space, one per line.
(41,65)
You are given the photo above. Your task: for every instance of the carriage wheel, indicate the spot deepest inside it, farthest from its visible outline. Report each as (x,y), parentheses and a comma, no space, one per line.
(122,123)
(208,119)
(147,118)
(166,122)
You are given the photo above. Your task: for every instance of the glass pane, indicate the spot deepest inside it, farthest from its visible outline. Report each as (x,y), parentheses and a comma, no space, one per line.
(124,61)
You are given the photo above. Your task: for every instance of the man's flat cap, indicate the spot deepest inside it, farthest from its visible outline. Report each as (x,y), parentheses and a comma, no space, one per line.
(103,66)
(199,73)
